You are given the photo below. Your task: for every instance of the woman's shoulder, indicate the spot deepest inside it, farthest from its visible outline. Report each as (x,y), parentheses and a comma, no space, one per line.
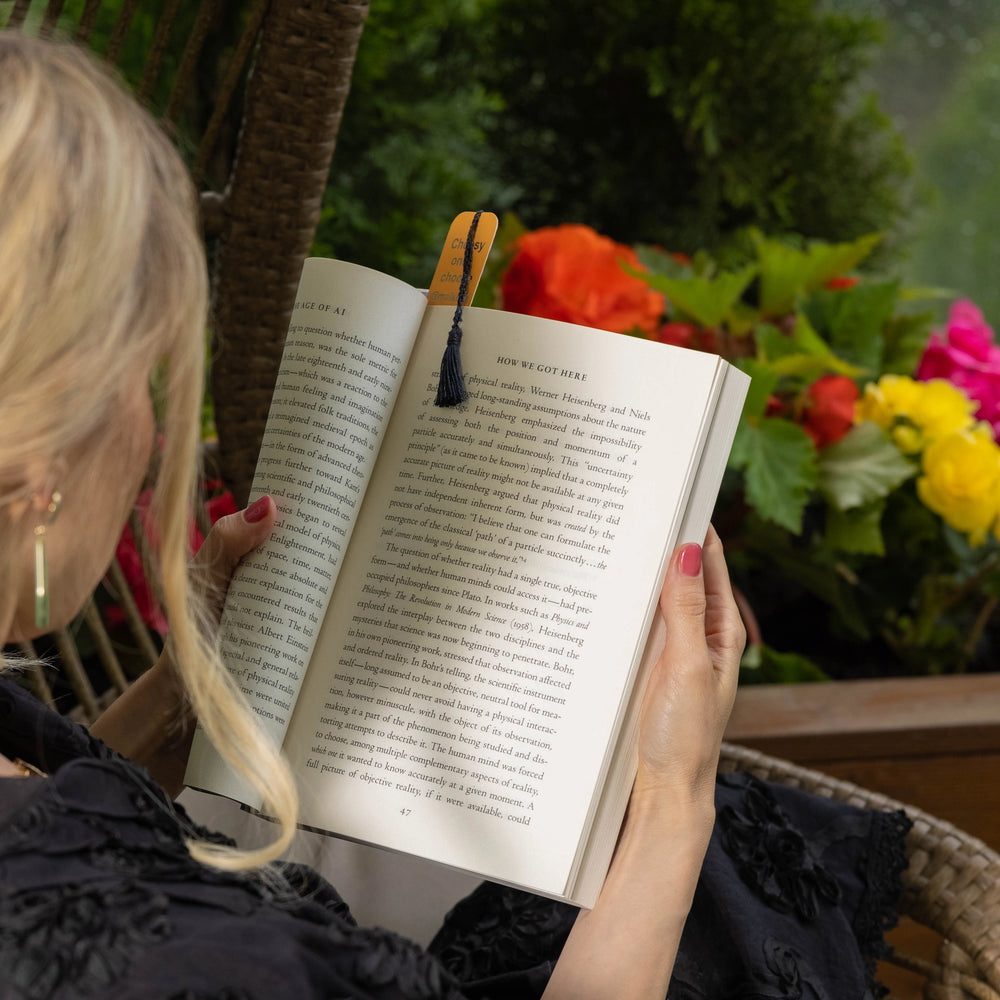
(35,733)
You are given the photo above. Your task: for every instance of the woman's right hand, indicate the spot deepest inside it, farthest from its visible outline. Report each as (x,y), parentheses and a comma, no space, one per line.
(624,948)
(691,691)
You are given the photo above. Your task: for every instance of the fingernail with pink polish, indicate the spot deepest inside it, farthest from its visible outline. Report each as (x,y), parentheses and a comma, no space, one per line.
(257,511)
(690,560)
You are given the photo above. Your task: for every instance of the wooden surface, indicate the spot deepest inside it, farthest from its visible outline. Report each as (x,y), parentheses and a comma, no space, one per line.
(933,742)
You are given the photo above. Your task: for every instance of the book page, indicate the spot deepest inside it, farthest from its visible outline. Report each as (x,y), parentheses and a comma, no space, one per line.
(478,651)
(348,341)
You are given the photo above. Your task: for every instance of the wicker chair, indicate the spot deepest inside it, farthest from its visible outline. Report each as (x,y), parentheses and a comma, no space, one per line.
(952,884)
(285,112)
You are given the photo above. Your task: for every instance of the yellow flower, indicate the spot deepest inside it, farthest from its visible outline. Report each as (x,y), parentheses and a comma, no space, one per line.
(961,481)
(915,413)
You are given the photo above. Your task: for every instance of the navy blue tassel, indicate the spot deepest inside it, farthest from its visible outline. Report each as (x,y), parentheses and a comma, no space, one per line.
(451,384)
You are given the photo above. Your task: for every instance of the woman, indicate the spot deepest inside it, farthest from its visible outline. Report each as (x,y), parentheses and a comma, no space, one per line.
(105,888)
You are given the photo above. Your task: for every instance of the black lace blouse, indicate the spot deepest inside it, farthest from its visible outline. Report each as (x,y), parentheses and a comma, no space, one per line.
(100,899)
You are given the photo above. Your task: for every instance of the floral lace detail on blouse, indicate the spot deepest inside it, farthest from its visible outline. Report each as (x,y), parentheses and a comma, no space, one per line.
(773,857)
(99,898)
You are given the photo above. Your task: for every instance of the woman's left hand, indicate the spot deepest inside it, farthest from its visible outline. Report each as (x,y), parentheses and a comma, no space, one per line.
(230,539)
(151,723)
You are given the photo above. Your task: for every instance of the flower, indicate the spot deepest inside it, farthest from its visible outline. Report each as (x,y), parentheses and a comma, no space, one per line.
(967,356)
(678,334)
(841,283)
(915,413)
(572,273)
(961,482)
(828,409)
(681,334)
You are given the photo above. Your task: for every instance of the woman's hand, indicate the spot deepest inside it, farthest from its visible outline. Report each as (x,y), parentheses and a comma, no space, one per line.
(624,948)
(150,723)
(690,694)
(230,539)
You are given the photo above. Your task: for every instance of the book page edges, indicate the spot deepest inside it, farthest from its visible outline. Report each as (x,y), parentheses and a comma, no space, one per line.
(598,849)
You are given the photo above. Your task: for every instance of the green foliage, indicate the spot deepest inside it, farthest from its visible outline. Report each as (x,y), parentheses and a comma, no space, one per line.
(412,152)
(862,467)
(849,572)
(705,300)
(763,665)
(682,122)
(780,467)
(959,236)
(789,272)
(852,324)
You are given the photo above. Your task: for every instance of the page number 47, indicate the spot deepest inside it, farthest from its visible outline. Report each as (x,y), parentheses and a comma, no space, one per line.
(405,812)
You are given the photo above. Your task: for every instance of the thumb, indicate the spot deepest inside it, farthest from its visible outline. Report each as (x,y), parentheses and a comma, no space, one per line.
(682,600)
(230,539)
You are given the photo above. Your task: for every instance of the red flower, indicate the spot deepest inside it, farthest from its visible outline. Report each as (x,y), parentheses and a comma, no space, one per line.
(688,335)
(842,282)
(775,407)
(574,274)
(678,334)
(827,410)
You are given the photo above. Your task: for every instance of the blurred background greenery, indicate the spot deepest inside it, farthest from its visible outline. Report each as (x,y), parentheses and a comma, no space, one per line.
(677,122)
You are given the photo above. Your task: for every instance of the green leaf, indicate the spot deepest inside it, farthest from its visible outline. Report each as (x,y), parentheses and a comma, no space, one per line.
(705,300)
(657,261)
(921,294)
(814,569)
(786,272)
(804,354)
(857,530)
(905,339)
(863,466)
(851,320)
(780,469)
(763,665)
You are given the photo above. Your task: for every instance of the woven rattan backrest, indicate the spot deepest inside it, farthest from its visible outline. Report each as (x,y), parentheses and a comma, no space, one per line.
(254,91)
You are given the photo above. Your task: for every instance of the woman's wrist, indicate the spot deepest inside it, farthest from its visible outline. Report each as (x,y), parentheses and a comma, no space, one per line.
(625,946)
(691,802)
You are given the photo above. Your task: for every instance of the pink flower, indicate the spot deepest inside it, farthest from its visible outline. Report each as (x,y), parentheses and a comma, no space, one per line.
(966,356)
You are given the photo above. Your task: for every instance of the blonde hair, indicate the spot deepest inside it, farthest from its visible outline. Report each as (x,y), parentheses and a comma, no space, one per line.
(103,273)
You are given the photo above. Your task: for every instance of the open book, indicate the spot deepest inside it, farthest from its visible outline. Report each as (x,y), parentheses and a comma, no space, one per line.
(450,627)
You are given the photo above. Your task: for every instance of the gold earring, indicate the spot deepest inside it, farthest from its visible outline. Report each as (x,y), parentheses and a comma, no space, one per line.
(41,565)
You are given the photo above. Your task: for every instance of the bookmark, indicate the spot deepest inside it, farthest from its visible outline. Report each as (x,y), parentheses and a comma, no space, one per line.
(467,246)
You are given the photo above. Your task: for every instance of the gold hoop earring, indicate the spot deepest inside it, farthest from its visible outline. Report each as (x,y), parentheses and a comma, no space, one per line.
(42,566)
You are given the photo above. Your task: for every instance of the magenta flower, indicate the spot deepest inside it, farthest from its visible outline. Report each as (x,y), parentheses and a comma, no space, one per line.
(967,356)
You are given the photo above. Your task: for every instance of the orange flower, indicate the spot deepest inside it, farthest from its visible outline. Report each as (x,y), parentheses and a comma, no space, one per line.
(574,274)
